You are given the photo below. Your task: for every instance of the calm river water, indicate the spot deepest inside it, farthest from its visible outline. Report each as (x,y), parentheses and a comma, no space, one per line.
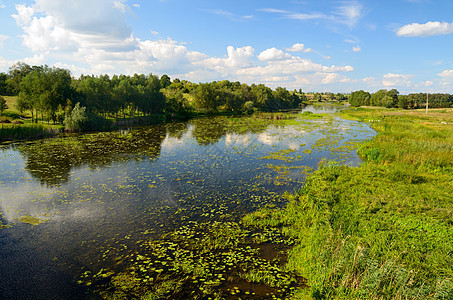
(66,200)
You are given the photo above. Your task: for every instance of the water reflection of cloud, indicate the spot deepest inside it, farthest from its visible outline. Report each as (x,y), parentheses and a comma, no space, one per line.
(283,136)
(266,138)
(44,203)
(171,143)
(234,139)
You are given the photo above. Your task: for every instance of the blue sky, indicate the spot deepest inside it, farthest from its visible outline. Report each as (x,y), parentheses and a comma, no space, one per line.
(338,45)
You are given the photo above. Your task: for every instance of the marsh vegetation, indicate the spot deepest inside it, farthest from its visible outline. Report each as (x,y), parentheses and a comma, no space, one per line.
(382,230)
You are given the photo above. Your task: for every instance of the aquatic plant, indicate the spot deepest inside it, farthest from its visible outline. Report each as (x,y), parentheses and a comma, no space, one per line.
(381,230)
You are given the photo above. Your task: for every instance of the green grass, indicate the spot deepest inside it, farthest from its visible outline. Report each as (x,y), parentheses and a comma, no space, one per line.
(11,103)
(12,132)
(383,230)
(28,130)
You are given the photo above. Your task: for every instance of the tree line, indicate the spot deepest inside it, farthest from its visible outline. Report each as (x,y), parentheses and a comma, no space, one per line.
(392,98)
(52,94)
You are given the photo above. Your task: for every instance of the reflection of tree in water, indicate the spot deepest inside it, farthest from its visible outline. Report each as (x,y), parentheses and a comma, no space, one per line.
(177,130)
(51,161)
(208,131)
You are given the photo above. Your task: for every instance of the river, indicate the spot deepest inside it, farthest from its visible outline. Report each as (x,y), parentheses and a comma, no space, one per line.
(65,202)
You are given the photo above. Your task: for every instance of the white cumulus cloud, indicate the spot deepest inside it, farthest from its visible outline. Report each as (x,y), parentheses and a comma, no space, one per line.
(273,54)
(333,78)
(447,77)
(394,80)
(93,37)
(298,47)
(427,29)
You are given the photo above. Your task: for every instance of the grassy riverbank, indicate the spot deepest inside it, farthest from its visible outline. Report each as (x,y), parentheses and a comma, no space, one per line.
(383,230)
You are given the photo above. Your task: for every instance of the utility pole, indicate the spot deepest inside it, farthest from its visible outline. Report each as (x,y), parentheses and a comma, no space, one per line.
(427,103)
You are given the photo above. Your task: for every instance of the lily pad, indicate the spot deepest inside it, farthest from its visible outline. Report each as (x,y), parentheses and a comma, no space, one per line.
(31,220)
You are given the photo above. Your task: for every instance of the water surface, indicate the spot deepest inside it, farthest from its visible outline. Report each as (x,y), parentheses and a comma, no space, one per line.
(66,201)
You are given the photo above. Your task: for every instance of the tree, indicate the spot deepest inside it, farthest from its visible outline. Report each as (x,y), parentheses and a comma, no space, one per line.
(341,97)
(387,102)
(286,99)
(317,96)
(95,93)
(393,98)
(16,73)
(150,101)
(3,105)
(403,102)
(176,104)
(123,94)
(359,98)
(45,89)
(4,87)
(233,101)
(205,98)
(263,96)
(330,96)
(165,81)
(376,98)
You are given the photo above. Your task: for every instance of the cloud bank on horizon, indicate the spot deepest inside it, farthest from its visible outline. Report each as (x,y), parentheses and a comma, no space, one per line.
(337,46)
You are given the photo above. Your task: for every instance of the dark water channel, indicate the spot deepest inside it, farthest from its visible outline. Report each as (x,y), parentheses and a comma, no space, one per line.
(65,201)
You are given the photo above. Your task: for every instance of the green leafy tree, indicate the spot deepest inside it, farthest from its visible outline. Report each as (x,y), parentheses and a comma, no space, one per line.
(15,75)
(359,98)
(403,102)
(4,87)
(331,96)
(165,81)
(263,96)
(3,105)
(43,90)
(176,104)
(283,97)
(376,98)
(150,101)
(341,97)
(318,97)
(233,101)
(393,98)
(153,83)
(205,98)
(123,94)
(95,93)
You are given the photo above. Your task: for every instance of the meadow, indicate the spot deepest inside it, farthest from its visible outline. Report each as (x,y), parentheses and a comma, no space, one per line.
(383,230)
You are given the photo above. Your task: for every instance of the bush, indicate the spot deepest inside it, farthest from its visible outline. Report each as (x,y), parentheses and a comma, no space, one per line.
(80,120)
(249,107)
(77,119)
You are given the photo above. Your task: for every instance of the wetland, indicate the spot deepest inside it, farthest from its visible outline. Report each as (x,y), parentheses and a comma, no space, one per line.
(158,211)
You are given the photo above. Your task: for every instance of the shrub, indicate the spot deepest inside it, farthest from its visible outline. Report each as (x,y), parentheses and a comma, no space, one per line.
(77,119)
(80,120)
